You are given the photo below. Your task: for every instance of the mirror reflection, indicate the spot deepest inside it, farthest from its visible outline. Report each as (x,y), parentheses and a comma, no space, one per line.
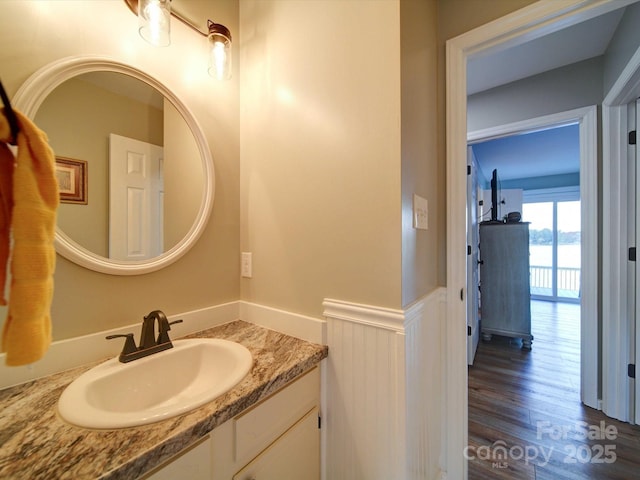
(144,174)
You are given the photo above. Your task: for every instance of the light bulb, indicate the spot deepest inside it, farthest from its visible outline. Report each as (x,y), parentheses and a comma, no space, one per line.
(219,62)
(219,51)
(154,19)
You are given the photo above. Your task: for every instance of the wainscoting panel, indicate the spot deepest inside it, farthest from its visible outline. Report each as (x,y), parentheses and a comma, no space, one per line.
(425,387)
(364,412)
(383,409)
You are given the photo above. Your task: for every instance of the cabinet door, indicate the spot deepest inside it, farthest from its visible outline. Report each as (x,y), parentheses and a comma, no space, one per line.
(295,455)
(193,463)
(259,426)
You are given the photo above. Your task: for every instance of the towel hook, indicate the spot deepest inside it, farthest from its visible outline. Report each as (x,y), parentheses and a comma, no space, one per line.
(10,114)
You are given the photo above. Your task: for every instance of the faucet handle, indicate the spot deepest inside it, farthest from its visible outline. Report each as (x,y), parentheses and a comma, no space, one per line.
(129,343)
(165,326)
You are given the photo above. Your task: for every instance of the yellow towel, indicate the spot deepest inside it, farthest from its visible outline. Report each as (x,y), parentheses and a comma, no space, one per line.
(26,334)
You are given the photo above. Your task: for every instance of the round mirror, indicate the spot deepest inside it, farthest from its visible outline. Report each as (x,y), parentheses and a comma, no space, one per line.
(135,173)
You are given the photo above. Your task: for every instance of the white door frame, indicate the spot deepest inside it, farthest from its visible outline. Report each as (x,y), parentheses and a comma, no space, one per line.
(534,21)
(633,116)
(473,300)
(587,119)
(615,331)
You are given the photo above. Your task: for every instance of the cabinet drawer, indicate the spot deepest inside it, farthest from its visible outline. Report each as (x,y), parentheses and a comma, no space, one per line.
(256,428)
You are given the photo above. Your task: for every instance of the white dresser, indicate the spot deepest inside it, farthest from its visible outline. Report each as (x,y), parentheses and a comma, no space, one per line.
(505,297)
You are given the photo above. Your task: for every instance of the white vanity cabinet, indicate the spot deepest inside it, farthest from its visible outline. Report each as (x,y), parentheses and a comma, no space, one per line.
(277,438)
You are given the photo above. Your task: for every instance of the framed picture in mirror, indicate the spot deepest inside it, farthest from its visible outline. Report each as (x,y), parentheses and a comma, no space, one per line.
(72,180)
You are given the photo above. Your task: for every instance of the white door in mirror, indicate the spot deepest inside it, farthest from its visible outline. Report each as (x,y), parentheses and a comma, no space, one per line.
(135,200)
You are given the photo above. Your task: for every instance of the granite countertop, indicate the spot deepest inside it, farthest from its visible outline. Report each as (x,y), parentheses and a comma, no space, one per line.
(35,443)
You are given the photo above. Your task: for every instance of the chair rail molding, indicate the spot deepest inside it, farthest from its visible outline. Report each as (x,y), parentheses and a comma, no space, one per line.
(386,318)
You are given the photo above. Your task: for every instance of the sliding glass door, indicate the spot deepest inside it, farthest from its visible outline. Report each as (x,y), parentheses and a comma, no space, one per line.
(554,248)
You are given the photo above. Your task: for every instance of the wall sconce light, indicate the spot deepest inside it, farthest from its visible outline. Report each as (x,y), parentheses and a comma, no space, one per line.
(154,20)
(219,40)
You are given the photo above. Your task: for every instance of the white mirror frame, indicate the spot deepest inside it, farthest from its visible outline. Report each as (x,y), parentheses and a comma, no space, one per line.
(28,99)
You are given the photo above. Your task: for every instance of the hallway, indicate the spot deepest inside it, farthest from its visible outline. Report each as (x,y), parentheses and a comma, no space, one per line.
(525,416)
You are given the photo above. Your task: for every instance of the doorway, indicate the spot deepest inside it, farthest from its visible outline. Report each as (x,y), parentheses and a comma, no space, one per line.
(538,175)
(585,120)
(527,24)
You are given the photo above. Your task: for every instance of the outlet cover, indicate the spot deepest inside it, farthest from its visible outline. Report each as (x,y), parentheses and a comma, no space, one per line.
(420,213)
(245,265)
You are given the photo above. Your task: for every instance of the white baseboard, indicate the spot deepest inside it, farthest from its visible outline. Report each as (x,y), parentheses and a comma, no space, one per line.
(293,324)
(74,352)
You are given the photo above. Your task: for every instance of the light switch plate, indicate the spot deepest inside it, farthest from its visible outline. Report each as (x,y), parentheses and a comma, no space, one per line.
(420,213)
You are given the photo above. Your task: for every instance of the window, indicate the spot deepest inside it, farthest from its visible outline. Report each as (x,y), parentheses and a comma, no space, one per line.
(554,248)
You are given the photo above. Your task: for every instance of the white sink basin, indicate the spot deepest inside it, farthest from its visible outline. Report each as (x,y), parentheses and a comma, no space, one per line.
(153,388)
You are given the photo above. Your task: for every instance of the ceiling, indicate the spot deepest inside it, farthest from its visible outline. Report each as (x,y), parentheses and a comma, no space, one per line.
(548,152)
(126,86)
(543,153)
(573,44)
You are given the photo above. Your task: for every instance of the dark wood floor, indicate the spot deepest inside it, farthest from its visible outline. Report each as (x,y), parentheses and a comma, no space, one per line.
(527,404)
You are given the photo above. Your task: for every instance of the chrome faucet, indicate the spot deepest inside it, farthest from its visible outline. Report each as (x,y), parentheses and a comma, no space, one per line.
(149,344)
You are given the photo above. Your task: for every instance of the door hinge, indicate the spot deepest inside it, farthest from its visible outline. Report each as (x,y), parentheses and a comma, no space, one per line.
(632,254)
(468,169)
(468,330)
(631,370)
(468,249)
(632,137)
(319,422)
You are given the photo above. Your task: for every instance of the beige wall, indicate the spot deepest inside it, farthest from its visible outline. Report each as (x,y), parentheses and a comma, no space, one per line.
(182,177)
(331,151)
(420,164)
(341,125)
(320,152)
(456,17)
(40,32)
